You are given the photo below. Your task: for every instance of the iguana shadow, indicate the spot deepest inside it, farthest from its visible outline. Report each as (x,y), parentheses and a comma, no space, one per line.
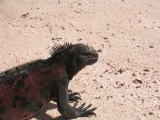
(41,115)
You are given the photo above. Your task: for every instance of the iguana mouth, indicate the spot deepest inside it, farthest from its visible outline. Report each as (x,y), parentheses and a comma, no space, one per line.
(91,61)
(89,57)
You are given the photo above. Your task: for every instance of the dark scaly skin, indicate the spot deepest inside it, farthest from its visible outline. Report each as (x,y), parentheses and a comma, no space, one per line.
(25,89)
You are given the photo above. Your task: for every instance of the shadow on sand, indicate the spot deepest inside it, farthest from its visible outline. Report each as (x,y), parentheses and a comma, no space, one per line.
(41,115)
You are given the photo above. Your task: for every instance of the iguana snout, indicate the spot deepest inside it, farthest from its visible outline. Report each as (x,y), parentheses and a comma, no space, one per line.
(87,55)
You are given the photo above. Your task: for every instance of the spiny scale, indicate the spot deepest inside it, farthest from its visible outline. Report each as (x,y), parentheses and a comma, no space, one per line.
(20,67)
(54,50)
(59,48)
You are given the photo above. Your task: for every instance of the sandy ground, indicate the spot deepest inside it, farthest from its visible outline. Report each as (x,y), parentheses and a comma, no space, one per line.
(125,83)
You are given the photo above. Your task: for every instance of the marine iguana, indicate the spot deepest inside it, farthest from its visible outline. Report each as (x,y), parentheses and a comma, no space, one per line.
(25,89)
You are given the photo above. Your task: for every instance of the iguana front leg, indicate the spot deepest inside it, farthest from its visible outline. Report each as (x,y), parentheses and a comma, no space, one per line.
(62,102)
(72,96)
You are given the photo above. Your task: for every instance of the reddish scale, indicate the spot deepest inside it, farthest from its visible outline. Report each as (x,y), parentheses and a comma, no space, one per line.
(30,91)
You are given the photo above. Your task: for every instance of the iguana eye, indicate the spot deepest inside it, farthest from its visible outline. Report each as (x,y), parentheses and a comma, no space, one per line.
(58,56)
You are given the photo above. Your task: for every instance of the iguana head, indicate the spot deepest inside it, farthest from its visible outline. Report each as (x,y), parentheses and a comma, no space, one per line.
(74,56)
